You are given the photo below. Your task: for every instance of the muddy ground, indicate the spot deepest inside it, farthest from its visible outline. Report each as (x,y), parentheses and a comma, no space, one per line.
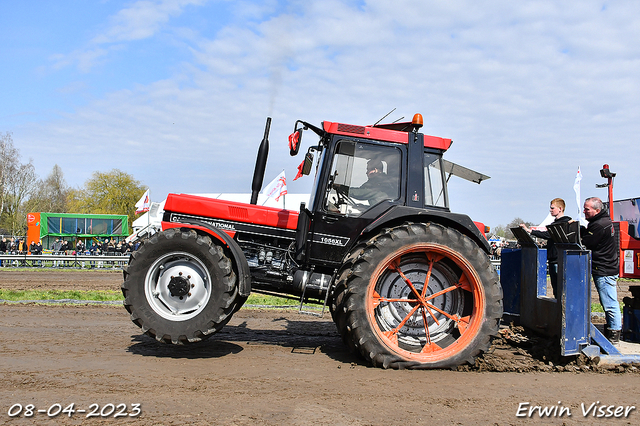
(271,367)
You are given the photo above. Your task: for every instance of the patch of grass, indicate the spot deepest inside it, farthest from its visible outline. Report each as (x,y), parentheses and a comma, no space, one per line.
(596,307)
(115,295)
(38,270)
(263,299)
(94,295)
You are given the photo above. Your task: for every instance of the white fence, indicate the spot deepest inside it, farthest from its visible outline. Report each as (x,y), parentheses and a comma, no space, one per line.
(496,264)
(62,261)
(83,261)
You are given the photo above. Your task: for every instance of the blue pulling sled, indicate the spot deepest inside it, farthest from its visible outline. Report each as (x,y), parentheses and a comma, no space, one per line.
(523,275)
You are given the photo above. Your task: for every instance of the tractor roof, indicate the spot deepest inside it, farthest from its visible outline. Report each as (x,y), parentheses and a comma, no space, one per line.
(395,132)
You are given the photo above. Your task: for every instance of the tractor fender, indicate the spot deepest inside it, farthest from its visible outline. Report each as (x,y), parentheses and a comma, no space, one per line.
(399,214)
(237,255)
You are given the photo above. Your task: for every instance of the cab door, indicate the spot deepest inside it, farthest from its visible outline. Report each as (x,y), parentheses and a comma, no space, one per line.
(363,181)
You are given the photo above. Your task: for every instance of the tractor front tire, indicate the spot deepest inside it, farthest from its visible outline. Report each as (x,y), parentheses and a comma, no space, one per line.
(180,287)
(418,296)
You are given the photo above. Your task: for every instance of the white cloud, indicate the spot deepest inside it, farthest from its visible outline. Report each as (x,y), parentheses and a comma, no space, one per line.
(142,19)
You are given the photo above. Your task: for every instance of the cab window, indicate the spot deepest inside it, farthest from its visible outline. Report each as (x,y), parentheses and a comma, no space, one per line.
(362,175)
(434,185)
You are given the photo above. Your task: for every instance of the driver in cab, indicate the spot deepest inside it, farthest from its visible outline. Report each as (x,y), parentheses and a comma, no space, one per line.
(377,187)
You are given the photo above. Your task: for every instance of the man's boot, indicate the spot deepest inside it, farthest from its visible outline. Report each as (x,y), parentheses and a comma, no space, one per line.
(614,336)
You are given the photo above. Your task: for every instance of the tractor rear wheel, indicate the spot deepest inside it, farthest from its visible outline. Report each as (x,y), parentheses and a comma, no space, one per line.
(179,287)
(418,296)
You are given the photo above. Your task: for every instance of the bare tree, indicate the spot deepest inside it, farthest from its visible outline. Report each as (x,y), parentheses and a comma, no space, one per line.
(21,185)
(52,193)
(21,191)
(500,231)
(9,156)
(514,224)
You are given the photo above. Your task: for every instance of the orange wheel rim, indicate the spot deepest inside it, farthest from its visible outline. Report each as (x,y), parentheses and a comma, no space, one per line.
(426,303)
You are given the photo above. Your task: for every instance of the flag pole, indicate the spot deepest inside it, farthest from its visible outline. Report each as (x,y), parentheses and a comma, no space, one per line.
(576,189)
(283,195)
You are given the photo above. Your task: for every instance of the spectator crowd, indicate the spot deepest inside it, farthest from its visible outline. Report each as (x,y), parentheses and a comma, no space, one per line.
(66,247)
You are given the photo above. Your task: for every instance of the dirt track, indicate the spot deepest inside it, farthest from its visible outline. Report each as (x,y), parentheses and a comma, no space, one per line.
(265,367)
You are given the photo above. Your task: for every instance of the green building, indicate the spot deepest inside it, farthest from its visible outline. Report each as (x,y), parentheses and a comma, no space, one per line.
(46,227)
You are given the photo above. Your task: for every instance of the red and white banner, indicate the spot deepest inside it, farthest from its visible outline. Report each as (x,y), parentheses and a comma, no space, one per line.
(144,203)
(276,188)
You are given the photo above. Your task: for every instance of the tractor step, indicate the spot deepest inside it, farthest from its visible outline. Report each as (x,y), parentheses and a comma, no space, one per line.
(309,311)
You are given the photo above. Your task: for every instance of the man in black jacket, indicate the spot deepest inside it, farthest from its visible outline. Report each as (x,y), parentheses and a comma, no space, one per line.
(378,187)
(556,209)
(599,237)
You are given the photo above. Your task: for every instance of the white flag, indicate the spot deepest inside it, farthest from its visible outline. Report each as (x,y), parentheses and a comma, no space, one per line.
(576,189)
(276,188)
(143,204)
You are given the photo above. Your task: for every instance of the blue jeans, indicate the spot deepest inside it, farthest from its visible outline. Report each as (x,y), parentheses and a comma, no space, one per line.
(607,290)
(553,275)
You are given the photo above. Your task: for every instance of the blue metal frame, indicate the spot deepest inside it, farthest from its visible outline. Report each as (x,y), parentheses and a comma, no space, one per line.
(575,293)
(524,282)
(510,270)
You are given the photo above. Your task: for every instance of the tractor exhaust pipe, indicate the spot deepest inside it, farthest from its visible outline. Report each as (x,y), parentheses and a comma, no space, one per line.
(261,164)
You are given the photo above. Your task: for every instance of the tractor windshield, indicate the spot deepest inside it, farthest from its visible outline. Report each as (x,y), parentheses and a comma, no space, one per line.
(362,175)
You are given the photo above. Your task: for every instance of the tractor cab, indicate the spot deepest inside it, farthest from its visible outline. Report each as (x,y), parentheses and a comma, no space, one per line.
(365,175)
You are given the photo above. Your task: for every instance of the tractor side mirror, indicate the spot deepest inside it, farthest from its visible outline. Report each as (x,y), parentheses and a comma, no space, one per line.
(294,142)
(304,169)
(306,165)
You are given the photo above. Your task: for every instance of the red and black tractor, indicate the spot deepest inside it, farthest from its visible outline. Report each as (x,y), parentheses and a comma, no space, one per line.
(409,283)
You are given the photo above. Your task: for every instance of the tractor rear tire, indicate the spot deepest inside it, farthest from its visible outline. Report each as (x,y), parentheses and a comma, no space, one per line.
(418,296)
(180,287)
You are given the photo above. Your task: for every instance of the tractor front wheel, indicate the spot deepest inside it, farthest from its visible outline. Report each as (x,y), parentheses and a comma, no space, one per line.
(179,287)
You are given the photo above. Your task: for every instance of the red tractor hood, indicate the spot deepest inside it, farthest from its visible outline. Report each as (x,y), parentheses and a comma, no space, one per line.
(214,208)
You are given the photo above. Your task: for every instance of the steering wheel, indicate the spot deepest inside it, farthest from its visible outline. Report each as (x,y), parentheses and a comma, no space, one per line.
(343,196)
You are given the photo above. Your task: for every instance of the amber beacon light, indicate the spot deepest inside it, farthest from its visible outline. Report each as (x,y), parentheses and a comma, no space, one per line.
(417,121)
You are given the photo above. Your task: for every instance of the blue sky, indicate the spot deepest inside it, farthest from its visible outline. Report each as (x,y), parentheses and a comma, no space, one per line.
(177,92)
